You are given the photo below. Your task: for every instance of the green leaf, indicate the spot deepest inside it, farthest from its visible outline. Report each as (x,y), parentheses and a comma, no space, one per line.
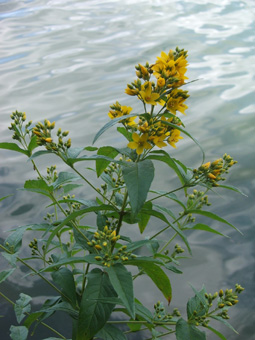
(230,187)
(5,273)
(13,147)
(163,156)
(143,219)
(110,124)
(138,178)
(200,226)
(93,314)
(138,244)
(63,307)
(143,312)
(109,332)
(218,318)
(125,133)
(187,134)
(14,240)
(74,215)
(3,198)
(11,258)
(74,152)
(101,164)
(157,275)
(171,196)
(121,280)
(18,332)
(32,144)
(221,336)
(187,331)
(166,210)
(40,153)
(64,178)
(71,161)
(65,280)
(212,216)
(22,306)
(162,217)
(39,186)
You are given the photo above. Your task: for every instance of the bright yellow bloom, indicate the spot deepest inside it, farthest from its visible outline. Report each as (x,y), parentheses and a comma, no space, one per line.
(121,111)
(147,95)
(159,141)
(48,139)
(131,92)
(174,137)
(161,82)
(139,143)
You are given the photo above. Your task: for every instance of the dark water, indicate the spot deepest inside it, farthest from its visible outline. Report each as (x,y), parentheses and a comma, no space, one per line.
(69,60)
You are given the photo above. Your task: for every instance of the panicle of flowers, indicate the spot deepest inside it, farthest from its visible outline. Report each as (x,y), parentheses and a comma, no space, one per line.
(43,133)
(211,173)
(156,128)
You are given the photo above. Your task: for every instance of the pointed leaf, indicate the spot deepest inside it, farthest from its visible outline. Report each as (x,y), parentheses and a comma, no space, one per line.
(22,306)
(93,314)
(65,280)
(64,178)
(122,282)
(218,318)
(18,332)
(40,153)
(5,273)
(162,217)
(157,275)
(109,332)
(32,144)
(13,147)
(200,226)
(187,331)
(143,219)
(230,187)
(212,216)
(110,124)
(186,133)
(125,133)
(221,336)
(101,164)
(138,178)
(39,186)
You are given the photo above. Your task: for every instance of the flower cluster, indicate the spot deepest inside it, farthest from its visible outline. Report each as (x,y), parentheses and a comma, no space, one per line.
(44,137)
(103,242)
(161,128)
(20,132)
(211,173)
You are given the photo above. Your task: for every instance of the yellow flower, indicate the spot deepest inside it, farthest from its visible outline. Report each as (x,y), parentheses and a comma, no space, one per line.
(119,111)
(139,143)
(147,95)
(174,137)
(131,92)
(161,82)
(159,141)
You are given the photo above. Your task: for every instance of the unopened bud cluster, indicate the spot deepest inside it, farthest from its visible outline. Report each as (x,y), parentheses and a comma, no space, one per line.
(17,125)
(177,250)
(44,137)
(211,173)
(228,298)
(103,242)
(71,205)
(197,200)
(52,174)
(160,313)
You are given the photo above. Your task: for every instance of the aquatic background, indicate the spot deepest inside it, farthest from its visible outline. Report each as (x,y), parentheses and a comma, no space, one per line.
(67,61)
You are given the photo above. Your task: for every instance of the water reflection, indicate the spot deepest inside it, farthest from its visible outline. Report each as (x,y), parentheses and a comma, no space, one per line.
(69,60)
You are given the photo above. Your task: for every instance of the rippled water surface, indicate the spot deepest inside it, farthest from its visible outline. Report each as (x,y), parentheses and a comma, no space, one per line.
(67,61)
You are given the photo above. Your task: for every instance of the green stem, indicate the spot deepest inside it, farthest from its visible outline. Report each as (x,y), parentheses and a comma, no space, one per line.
(158,323)
(92,186)
(167,193)
(36,272)
(85,277)
(121,213)
(43,323)
(168,242)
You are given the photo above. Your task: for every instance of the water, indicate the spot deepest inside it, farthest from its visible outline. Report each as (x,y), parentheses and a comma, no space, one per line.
(69,60)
